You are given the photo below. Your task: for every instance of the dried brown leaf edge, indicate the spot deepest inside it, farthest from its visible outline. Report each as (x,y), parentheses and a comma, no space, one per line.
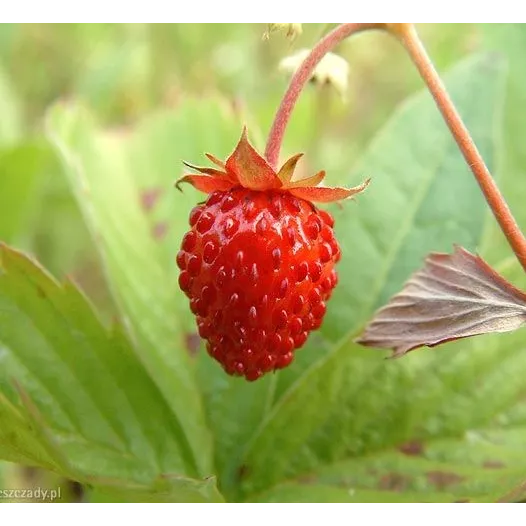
(454,296)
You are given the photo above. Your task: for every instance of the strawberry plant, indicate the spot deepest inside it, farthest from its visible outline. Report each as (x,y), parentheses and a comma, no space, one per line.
(233,346)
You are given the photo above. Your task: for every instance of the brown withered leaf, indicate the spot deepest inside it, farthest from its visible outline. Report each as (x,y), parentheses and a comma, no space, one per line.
(454,296)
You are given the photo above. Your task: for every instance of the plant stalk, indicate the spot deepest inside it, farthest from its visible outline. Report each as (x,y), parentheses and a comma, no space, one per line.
(408,36)
(298,81)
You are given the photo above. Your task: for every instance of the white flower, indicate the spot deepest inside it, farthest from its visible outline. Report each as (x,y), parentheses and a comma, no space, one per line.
(332,69)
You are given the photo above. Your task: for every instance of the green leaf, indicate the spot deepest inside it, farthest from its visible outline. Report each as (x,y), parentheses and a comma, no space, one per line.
(21,440)
(477,467)
(143,284)
(509,41)
(462,406)
(154,157)
(11,121)
(86,384)
(346,401)
(320,493)
(80,403)
(22,169)
(234,407)
(163,489)
(422,197)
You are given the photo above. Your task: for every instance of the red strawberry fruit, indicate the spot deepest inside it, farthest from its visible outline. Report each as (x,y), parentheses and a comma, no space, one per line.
(258,261)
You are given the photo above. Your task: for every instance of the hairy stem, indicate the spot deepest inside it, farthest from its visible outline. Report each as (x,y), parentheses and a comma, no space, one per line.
(407,34)
(298,81)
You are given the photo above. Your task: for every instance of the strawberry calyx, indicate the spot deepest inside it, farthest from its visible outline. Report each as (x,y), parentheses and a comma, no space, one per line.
(247,168)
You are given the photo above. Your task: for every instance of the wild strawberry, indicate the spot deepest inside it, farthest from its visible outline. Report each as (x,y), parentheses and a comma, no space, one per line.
(258,261)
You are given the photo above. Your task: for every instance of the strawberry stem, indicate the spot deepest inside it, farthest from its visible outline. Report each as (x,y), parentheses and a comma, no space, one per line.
(408,36)
(298,81)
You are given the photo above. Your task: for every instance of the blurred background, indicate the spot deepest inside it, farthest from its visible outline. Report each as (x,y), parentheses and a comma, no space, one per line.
(125,73)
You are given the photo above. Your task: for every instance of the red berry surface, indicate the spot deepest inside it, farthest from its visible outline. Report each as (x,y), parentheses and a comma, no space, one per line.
(257,267)
(258,261)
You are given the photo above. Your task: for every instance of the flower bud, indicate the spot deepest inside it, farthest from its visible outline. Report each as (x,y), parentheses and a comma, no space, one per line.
(292,30)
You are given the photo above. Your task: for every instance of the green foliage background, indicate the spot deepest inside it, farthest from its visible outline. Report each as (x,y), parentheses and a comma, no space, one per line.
(102,381)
